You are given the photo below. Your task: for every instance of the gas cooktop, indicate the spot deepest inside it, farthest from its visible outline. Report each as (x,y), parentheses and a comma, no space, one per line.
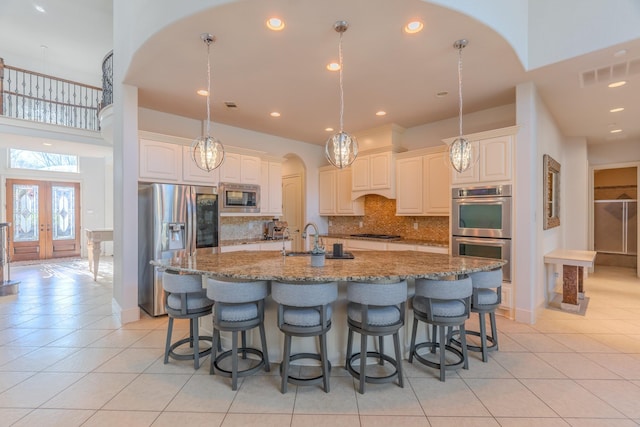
(377,236)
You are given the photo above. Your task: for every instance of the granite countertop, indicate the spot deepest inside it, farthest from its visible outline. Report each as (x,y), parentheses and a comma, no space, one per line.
(366,266)
(401,240)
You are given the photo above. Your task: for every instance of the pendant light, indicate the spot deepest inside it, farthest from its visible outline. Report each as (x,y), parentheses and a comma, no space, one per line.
(460,150)
(341,148)
(207,151)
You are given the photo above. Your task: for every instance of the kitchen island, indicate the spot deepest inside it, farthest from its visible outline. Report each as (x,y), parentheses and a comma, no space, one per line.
(369,266)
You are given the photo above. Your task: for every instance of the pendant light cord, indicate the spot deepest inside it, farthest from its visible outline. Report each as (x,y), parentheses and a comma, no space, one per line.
(208,87)
(341,89)
(460,90)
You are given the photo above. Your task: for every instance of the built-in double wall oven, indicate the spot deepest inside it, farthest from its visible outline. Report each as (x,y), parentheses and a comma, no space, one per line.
(481,223)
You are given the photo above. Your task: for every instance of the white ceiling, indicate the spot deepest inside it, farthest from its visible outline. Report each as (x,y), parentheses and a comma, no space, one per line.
(384,68)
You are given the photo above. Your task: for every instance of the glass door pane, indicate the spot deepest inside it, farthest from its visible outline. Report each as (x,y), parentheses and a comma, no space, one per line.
(63,212)
(25,213)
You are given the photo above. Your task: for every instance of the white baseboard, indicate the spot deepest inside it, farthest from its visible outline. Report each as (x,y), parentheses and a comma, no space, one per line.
(125,316)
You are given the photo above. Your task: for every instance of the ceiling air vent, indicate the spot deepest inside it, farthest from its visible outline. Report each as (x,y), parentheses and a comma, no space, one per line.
(610,73)
(230,104)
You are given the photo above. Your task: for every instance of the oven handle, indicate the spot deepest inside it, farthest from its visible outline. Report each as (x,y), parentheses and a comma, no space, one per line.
(484,241)
(482,200)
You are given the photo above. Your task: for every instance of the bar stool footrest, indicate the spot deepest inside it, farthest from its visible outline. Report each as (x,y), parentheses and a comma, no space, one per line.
(369,379)
(433,346)
(476,348)
(188,356)
(305,381)
(241,352)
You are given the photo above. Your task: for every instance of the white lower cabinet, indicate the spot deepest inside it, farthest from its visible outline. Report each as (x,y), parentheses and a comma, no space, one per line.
(365,245)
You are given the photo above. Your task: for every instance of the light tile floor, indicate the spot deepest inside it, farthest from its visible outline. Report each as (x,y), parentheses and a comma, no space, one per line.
(65,361)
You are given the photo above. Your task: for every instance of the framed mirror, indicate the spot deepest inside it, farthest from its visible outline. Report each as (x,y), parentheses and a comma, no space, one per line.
(551,192)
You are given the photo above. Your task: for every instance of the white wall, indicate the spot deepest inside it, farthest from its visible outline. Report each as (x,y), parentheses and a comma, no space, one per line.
(432,134)
(575,194)
(620,152)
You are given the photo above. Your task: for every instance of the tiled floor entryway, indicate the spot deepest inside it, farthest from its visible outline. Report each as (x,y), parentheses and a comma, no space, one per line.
(64,360)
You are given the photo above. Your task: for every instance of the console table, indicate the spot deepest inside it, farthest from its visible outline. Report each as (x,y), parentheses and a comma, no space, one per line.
(94,238)
(573,263)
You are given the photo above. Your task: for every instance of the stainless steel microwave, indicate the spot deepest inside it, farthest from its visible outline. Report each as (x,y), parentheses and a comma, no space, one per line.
(239,197)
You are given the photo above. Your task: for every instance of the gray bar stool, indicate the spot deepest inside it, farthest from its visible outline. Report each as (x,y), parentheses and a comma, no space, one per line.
(375,309)
(185,298)
(239,307)
(487,296)
(304,310)
(442,304)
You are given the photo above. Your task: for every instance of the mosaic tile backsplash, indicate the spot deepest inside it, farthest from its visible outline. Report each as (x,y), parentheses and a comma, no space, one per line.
(380,217)
(240,227)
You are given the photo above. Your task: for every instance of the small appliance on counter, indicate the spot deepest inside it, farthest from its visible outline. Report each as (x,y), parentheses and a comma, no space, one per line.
(276,229)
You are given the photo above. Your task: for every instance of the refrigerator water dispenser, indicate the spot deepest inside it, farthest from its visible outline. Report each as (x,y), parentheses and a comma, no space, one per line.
(176,238)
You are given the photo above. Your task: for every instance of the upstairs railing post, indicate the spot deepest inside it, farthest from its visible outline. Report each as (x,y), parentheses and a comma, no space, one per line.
(1,86)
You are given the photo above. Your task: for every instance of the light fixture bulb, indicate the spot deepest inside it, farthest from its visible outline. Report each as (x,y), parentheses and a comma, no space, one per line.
(341,148)
(413,27)
(207,151)
(275,24)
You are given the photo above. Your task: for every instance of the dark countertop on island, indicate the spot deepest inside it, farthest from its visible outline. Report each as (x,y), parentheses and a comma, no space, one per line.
(369,266)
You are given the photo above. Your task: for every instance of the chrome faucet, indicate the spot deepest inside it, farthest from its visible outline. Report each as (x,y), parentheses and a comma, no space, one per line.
(316,242)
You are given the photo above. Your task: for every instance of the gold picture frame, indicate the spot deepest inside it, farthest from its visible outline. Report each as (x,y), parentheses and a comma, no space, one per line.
(551,192)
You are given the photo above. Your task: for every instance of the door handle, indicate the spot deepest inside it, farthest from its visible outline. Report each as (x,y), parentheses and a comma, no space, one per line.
(41,227)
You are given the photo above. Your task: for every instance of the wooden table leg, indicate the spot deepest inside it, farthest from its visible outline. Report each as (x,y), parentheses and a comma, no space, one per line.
(94,258)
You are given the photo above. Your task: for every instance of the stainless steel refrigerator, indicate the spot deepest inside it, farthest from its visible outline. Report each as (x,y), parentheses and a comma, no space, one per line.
(173,221)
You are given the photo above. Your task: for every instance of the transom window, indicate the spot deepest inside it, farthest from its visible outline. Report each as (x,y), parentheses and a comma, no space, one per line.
(42,161)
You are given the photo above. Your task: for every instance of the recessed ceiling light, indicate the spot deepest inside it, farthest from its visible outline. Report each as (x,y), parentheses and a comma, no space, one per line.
(616,110)
(275,24)
(615,131)
(202,92)
(39,8)
(328,129)
(617,84)
(274,114)
(442,94)
(334,66)
(621,52)
(381,113)
(413,27)
(48,144)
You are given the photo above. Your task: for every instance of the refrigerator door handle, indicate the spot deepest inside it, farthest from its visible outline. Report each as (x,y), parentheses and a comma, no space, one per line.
(191,222)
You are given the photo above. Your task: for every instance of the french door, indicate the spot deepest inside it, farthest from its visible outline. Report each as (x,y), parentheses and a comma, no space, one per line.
(44,219)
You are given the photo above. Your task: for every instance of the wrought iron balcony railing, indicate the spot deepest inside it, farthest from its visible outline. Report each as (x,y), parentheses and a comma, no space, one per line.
(47,99)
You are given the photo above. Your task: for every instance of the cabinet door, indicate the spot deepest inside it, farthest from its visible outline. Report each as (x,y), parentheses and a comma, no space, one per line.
(436,194)
(230,169)
(327,192)
(360,174)
(193,174)
(409,186)
(250,169)
(380,173)
(470,175)
(344,204)
(160,161)
(495,159)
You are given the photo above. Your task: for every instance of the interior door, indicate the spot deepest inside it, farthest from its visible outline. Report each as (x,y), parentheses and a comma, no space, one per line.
(292,208)
(44,219)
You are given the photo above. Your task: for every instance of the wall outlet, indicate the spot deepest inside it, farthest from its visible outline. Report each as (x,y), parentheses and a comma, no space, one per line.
(360,224)
(330,223)
(415,225)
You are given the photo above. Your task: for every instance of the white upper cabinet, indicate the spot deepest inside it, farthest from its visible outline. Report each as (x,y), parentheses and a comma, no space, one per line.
(191,173)
(423,183)
(374,174)
(335,193)
(493,151)
(241,168)
(271,188)
(160,161)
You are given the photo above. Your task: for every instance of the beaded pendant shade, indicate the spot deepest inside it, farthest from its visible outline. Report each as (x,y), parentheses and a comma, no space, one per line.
(460,150)
(341,148)
(207,151)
